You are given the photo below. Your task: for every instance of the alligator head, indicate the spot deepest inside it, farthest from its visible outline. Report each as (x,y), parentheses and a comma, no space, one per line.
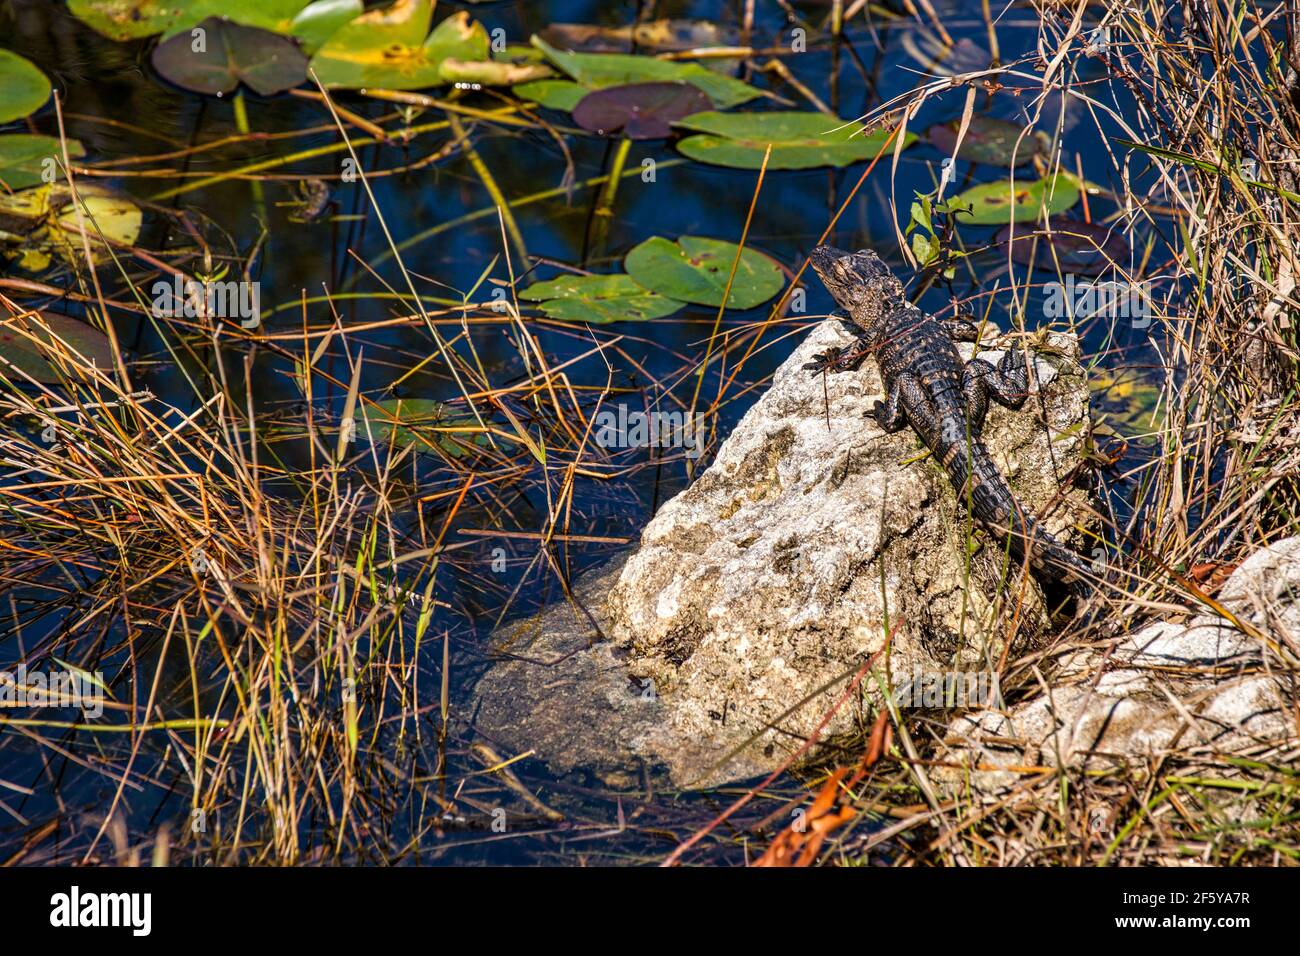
(860,283)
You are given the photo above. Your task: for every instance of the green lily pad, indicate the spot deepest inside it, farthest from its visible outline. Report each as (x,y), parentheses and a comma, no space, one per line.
(230,54)
(994,204)
(131,19)
(391,48)
(274,15)
(599,70)
(23,217)
(23,88)
(640,110)
(47,224)
(22,158)
(990,140)
(20,214)
(562,95)
(798,140)
(21,352)
(599,299)
(421,422)
(696,270)
(319,21)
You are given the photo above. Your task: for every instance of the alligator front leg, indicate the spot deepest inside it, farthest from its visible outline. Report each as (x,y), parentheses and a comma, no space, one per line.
(1007,383)
(847,359)
(891,414)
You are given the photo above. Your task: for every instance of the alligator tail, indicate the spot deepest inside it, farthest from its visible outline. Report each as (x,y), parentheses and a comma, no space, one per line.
(978,482)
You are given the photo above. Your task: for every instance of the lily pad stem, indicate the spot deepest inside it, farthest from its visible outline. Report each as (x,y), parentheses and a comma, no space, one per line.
(490,184)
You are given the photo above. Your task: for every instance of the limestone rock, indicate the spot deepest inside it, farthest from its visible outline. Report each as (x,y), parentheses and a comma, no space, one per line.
(758,591)
(1203,687)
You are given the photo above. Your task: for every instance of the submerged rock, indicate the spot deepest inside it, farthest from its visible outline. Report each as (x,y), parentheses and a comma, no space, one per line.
(760,590)
(1199,688)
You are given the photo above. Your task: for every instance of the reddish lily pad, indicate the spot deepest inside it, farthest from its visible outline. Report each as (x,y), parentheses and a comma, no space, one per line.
(225,54)
(988,139)
(1067,245)
(640,110)
(18,350)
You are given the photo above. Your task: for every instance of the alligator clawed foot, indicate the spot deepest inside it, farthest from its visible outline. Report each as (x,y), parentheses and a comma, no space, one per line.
(838,360)
(827,361)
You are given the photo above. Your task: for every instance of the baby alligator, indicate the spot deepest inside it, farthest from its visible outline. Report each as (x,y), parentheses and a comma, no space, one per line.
(928,387)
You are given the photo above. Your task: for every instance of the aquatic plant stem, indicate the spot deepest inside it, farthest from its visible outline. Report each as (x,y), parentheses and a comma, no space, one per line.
(603,214)
(605,207)
(241,124)
(490,184)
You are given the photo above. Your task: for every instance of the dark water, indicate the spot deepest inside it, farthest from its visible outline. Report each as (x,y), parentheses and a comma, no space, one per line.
(101,80)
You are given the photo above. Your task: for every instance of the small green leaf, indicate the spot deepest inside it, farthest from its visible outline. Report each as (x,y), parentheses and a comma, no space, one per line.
(600,299)
(924,248)
(696,270)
